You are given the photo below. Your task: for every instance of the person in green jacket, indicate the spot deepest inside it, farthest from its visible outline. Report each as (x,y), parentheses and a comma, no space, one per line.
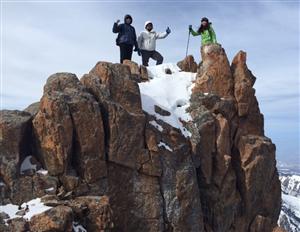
(206,31)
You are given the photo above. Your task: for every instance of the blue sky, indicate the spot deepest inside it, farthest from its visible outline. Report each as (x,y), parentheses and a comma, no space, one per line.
(40,38)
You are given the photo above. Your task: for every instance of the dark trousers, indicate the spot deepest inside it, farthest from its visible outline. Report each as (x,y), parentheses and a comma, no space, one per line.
(125,52)
(146,55)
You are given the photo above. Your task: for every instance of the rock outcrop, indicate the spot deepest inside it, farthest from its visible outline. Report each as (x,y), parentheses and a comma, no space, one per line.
(114,167)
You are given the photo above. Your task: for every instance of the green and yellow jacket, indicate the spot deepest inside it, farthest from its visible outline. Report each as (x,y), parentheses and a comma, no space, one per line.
(207,36)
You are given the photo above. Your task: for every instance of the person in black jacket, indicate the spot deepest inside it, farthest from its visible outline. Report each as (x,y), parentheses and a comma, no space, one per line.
(126,38)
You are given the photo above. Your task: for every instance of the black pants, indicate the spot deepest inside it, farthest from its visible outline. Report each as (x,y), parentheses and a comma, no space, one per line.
(125,52)
(146,55)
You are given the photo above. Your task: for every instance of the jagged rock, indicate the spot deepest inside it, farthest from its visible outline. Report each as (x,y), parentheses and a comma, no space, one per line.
(18,225)
(138,73)
(95,211)
(66,136)
(33,108)
(44,184)
(251,121)
(257,177)
(215,75)
(58,219)
(188,64)
(144,73)
(95,139)
(120,99)
(15,133)
(178,182)
(161,111)
(278,229)
(168,71)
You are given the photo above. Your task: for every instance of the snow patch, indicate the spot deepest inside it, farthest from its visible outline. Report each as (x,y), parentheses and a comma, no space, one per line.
(161,144)
(78,228)
(169,91)
(42,172)
(27,165)
(35,206)
(293,202)
(156,125)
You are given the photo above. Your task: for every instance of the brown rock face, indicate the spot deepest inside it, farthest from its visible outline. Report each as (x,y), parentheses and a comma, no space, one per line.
(235,162)
(251,120)
(15,126)
(94,212)
(68,138)
(188,64)
(138,73)
(214,75)
(113,167)
(56,219)
(120,101)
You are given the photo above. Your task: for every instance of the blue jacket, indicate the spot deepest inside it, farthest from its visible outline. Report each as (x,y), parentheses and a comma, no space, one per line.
(126,34)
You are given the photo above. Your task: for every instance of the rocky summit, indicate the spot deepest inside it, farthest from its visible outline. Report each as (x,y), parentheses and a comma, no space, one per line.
(100,153)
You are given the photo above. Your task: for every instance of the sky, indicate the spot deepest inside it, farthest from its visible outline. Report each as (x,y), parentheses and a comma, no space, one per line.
(39,38)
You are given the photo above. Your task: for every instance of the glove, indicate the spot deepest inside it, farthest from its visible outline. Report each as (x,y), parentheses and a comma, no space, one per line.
(117,21)
(139,52)
(168,30)
(190,27)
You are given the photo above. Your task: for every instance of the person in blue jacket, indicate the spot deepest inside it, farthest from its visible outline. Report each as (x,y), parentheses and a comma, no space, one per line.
(126,39)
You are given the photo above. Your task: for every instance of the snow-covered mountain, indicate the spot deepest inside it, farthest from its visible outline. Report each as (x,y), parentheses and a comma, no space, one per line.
(289,217)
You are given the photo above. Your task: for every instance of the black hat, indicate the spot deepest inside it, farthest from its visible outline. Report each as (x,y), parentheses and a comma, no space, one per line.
(127,17)
(204,19)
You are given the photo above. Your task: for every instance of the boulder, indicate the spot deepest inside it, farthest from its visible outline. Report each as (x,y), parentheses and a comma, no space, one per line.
(138,73)
(58,219)
(94,212)
(214,75)
(188,64)
(251,120)
(66,136)
(120,100)
(15,136)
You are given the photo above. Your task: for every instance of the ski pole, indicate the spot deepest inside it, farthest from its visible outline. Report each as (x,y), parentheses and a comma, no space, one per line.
(187,46)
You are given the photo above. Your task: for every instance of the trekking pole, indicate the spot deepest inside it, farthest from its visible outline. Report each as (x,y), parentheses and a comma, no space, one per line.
(187,46)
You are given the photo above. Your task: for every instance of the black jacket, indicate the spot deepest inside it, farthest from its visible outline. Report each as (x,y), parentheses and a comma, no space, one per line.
(126,34)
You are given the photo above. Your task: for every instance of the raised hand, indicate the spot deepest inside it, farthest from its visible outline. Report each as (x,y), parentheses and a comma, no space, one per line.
(168,30)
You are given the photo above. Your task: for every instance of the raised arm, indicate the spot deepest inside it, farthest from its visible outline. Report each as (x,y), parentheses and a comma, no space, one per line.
(161,35)
(116,27)
(194,33)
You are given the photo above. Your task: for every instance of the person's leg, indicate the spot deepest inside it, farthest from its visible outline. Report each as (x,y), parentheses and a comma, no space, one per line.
(145,57)
(158,57)
(122,52)
(128,52)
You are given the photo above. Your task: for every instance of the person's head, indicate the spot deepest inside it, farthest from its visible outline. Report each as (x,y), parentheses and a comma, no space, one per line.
(204,21)
(204,24)
(148,25)
(128,19)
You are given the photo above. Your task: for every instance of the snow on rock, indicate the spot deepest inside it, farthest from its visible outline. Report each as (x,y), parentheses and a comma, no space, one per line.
(27,165)
(156,125)
(170,92)
(161,144)
(35,206)
(42,172)
(78,228)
